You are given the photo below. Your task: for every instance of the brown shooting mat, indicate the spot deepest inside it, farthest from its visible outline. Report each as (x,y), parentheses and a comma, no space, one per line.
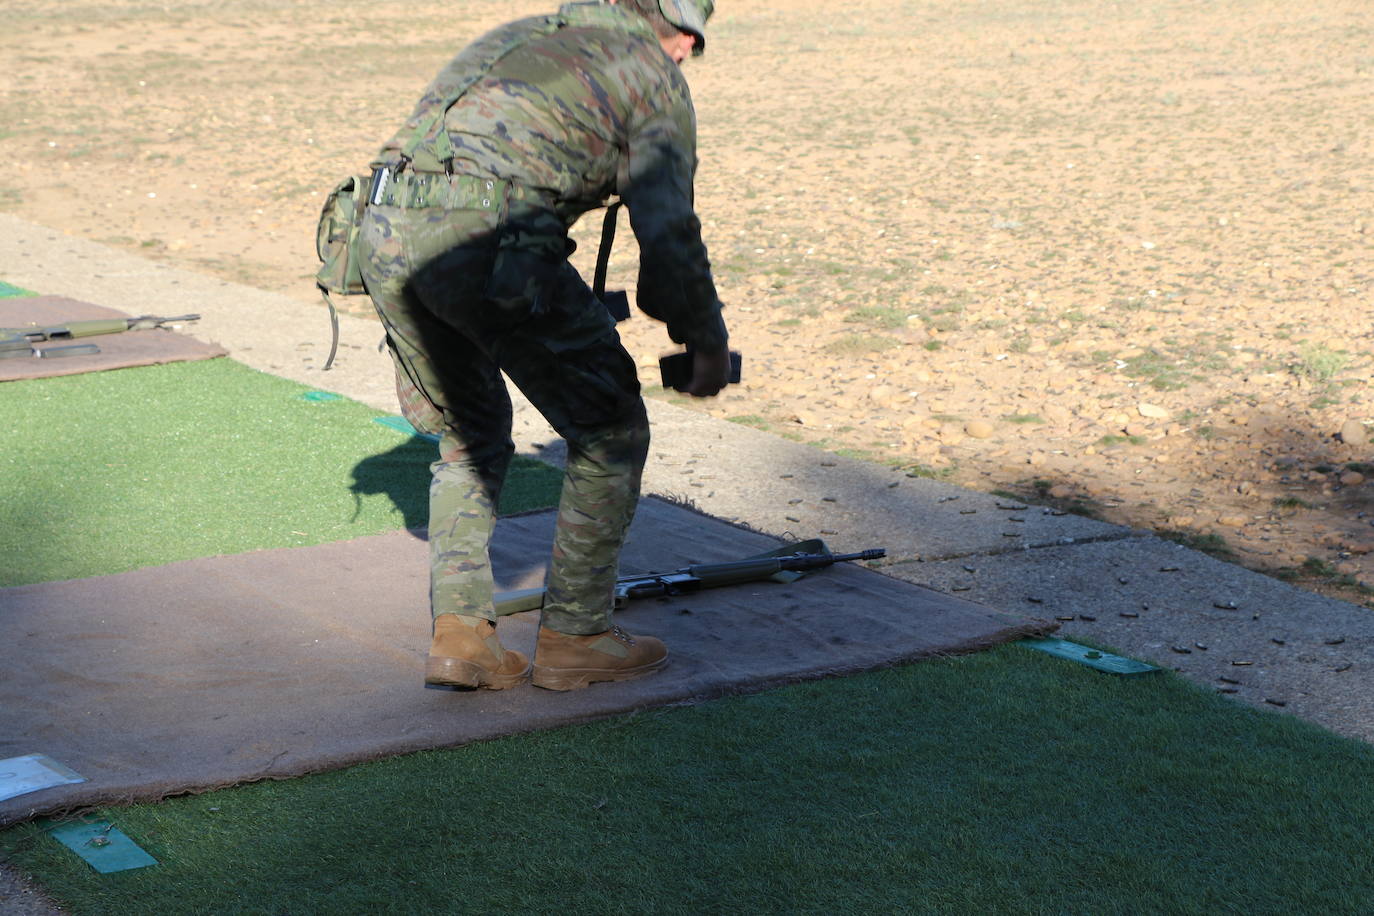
(275,663)
(117,351)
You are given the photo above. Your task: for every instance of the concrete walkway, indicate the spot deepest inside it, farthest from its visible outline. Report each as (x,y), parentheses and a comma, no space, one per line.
(1257,639)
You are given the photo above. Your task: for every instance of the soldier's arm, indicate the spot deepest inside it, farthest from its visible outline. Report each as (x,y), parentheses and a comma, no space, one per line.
(675,284)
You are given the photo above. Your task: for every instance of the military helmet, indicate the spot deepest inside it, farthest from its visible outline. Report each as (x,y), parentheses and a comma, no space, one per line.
(689,16)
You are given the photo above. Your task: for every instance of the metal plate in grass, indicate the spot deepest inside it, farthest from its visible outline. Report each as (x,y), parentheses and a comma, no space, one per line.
(103,845)
(402,425)
(1093,658)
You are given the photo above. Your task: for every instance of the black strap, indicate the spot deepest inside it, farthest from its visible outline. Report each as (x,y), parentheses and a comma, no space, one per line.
(603,255)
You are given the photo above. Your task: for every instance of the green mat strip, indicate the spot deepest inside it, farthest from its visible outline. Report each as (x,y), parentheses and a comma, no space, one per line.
(103,845)
(9,291)
(402,425)
(1093,658)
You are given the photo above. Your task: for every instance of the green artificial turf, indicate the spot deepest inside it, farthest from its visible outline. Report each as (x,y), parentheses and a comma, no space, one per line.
(111,471)
(1005,782)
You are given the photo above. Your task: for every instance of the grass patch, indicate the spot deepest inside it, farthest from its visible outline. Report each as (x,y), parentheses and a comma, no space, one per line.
(1004,782)
(1316,572)
(855,344)
(754,420)
(1022,418)
(879,316)
(1319,363)
(1292,502)
(1213,544)
(112,471)
(1110,440)
(916,469)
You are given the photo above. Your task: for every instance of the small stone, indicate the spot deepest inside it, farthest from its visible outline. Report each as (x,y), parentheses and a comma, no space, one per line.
(978,429)
(1136,429)
(1151,411)
(1352,479)
(1225,605)
(1129,614)
(1182,650)
(1061,491)
(1228,680)
(1335,642)
(1273,702)
(1232,521)
(1353,432)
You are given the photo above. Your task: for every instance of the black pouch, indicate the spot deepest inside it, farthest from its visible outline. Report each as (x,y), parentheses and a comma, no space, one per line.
(530,250)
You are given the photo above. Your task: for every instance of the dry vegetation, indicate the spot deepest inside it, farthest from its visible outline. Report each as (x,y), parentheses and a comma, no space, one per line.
(1107,254)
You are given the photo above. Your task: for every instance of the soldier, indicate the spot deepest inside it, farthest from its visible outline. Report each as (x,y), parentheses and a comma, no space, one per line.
(464,251)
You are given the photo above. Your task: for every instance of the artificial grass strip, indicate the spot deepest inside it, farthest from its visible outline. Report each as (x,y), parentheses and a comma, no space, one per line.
(9,291)
(1004,782)
(111,471)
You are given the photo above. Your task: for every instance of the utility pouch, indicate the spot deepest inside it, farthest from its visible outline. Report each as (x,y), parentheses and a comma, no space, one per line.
(335,236)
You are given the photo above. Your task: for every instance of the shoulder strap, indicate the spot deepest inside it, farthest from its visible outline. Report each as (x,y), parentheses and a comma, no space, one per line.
(616,302)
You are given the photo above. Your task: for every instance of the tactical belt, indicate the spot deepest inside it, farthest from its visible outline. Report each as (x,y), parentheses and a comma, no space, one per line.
(418,190)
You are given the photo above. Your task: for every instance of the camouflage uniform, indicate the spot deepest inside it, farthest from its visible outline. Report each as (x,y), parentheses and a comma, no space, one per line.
(465,257)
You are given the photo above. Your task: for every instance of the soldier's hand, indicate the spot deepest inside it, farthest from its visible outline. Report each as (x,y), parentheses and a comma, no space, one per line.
(710,371)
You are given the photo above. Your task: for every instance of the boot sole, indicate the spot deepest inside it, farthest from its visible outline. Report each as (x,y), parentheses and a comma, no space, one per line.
(577,678)
(459,672)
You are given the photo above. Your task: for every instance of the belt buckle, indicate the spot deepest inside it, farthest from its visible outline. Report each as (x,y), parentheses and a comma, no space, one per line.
(379,180)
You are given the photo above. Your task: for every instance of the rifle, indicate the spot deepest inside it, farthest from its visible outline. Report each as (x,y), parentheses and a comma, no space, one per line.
(18,342)
(786,564)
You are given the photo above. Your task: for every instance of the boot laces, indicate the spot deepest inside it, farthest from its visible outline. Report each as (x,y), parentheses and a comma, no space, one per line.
(621,635)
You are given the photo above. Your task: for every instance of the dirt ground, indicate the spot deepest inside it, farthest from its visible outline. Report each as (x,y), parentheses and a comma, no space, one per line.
(1107,255)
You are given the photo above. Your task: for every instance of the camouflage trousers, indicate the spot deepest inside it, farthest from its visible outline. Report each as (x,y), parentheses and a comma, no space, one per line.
(430,272)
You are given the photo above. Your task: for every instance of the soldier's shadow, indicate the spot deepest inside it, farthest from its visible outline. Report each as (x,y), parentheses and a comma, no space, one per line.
(402,475)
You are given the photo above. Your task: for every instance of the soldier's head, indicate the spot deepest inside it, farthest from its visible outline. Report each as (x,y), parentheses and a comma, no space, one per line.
(679,24)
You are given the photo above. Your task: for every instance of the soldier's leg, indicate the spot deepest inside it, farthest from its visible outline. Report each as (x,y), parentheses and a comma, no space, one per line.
(570,363)
(449,387)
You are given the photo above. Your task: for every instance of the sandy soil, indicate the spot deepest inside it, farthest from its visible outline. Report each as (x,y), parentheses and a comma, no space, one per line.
(1111,256)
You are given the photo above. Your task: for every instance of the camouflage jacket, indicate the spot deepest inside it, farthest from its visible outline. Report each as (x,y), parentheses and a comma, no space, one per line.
(579,106)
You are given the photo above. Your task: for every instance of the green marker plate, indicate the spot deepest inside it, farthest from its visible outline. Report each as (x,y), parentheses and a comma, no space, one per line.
(402,425)
(321,396)
(8,291)
(104,846)
(1093,658)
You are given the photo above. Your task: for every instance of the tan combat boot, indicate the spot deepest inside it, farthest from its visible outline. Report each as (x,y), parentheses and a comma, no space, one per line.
(564,662)
(466,653)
